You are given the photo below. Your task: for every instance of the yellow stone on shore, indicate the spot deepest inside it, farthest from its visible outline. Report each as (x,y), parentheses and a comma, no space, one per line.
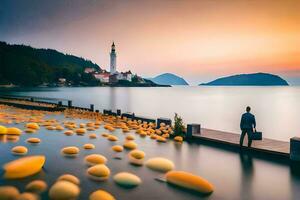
(88,146)
(59,128)
(90,129)
(13,138)
(153,136)
(69,132)
(143,134)
(33,140)
(36,186)
(189,181)
(33,126)
(112,138)
(28,196)
(24,167)
(130,145)
(93,136)
(125,130)
(3,130)
(70,178)
(129,137)
(101,195)
(70,151)
(19,150)
(126,179)
(98,172)
(80,131)
(95,159)
(13,131)
(50,128)
(90,124)
(117,148)
(161,139)
(9,193)
(160,164)
(136,157)
(64,190)
(178,139)
(105,134)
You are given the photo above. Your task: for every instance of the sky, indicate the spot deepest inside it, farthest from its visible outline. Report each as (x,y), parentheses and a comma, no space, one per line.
(199,40)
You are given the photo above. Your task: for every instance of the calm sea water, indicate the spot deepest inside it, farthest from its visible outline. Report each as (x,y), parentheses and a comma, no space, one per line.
(235,175)
(276,108)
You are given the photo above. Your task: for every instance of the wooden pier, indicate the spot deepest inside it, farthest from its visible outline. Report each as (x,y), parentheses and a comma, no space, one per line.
(265,145)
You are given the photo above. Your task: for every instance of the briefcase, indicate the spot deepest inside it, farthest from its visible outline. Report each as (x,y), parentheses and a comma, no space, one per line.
(256,135)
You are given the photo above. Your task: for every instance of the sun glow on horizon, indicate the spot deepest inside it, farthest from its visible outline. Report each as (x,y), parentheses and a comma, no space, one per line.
(189,38)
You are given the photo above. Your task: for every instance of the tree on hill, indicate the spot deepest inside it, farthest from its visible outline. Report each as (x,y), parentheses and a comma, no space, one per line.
(26,66)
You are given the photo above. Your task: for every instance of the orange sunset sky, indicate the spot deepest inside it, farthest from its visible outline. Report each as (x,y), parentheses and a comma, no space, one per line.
(199,40)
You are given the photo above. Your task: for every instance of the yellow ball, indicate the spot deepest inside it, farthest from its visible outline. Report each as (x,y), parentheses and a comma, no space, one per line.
(33,126)
(130,145)
(69,132)
(70,151)
(126,179)
(13,131)
(37,186)
(189,181)
(64,190)
(28,196)
(95,159)
(19,150)
(70,178)
(33,140)
(160,164)
(3,130)
(24,167)
(112,138)
(117,148)
(129,137)
(9,192)
(98,172)
(101,195)
(89,146)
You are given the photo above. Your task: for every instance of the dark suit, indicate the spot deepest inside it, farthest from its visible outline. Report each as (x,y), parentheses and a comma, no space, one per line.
(247,124)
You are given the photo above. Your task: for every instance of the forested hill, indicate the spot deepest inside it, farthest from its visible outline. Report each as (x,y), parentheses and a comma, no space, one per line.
(27,66)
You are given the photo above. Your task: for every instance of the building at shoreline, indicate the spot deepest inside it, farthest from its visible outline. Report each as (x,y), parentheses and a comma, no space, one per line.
(113,59)
(113,76)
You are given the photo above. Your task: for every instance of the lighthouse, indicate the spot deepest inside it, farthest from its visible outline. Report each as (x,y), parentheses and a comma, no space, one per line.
(113,59)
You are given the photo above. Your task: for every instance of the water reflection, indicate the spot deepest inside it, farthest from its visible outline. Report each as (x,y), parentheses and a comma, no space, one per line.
(246,175)
(9,138)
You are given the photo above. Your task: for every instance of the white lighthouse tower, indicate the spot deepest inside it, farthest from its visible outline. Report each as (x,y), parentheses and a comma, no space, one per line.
(113,59)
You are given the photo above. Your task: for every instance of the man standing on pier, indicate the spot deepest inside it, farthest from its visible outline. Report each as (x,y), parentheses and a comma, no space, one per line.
(247,125)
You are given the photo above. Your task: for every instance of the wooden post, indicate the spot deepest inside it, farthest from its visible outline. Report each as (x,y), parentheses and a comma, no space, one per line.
(193,129)
(69,103)
(119,112)
(295,149)
(92,107)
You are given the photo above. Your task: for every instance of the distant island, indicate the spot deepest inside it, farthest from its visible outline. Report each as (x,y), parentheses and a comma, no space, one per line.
(27,66)
(168,79)
(255,79)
